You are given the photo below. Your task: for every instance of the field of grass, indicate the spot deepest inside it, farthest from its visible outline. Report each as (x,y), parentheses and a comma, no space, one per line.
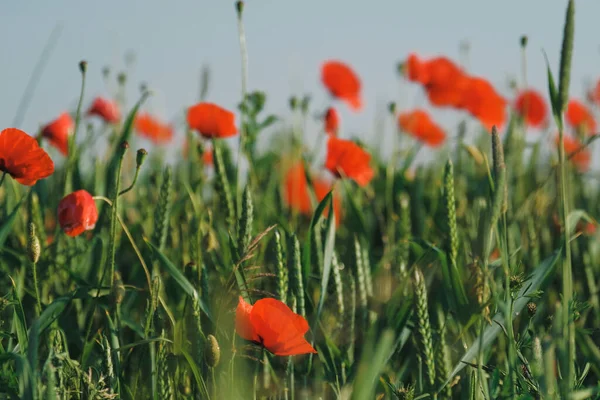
(473,276)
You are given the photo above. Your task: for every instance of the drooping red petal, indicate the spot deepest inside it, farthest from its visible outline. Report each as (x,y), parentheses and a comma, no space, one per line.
(151,128)
(243,324)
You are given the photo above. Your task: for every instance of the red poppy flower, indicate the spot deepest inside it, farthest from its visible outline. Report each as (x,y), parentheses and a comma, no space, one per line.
(580,117)
(530,105)
(332,121)
(211,121)
(272,324)
(345,156)
(342,82)
(105,109)
(581,158)
(443,80)
(58,131)
(296,192)
(151,128)
(418,124)
(22,158)
(483,102)
(77,213)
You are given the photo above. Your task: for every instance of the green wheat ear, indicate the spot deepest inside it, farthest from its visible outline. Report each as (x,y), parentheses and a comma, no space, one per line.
(339,287)
(245,222)
(405,234)
(295,266)
(163,210)
(222,186)
(282,271)
(424,326)
(165,383)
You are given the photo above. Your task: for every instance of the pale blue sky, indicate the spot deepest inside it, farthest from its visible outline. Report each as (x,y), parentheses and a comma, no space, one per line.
(287,41)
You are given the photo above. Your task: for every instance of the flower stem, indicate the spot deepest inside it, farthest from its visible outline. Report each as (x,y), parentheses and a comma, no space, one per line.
(37,290)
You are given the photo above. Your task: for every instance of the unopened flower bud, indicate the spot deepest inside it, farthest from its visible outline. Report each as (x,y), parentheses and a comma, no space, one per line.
(122,78)
(140,157)
(524,40)
(239,7)
(83,66)
(293,103)
(392,107)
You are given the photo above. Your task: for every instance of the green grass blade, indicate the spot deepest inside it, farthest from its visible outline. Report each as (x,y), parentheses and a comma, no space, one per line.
(178,276)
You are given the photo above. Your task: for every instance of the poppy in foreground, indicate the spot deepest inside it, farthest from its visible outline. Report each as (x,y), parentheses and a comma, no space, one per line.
(211,120)
(151,128)
(22,158)
(347,158)
(574,150)
(77,213)
(272,324)
(332,121)
(58,131)
(418,124)
(296,193)
(342,83)
(105,109)
(580,117)
(530,105)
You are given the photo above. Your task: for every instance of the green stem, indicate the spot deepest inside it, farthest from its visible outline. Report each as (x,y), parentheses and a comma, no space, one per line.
(137,172)
(37,290)
(568,327)
(113,219)
(2,178)
(72,143)
(244,57)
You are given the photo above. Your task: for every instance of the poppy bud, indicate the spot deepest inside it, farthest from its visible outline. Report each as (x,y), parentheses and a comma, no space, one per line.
(140,157)
(83,66)
(213,352)
(124,145)
(122,78)
(33,244)
(392,107)
(293,103)
(77,213)
(106,72)
(524,40)
(305,104)
(239,7)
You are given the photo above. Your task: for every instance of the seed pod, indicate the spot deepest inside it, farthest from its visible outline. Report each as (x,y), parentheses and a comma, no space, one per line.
(212,352)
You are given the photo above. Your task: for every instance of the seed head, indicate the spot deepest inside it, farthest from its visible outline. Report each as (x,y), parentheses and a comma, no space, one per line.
(213,351)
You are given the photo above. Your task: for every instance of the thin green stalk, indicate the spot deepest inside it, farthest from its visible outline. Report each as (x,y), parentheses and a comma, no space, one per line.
(567,273)
(72,142)
(112,247)
(2,178)
(239,6)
